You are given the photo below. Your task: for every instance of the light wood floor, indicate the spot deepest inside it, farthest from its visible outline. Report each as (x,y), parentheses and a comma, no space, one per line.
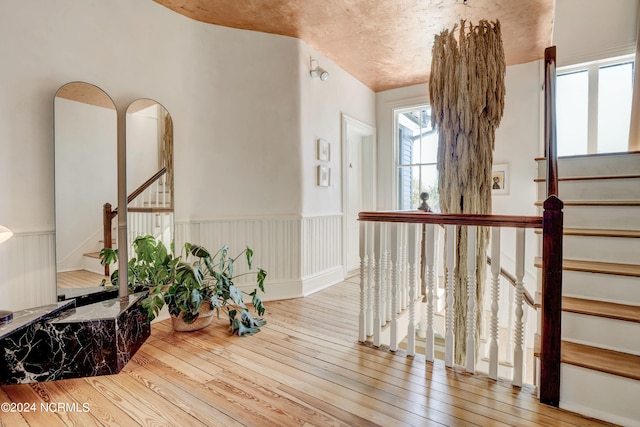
(305,368)
(81,279)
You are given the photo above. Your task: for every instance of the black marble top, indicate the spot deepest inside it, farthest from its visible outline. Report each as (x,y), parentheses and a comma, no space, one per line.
(108,309)
(29,316)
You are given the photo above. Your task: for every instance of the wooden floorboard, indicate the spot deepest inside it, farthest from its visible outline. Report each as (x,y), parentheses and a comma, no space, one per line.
(305,368)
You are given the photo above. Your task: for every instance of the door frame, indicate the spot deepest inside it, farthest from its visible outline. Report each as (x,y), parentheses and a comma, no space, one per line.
(367,134)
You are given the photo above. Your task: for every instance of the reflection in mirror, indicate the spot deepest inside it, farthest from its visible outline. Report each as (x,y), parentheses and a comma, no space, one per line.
(86,175)
(149,172)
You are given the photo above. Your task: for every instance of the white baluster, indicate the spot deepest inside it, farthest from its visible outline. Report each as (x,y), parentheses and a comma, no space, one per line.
(471,300)
(450,263)
(362,327)
(495,297)
(373,261)
(518,341)
(386,283)
(405,268)
(394,246)
(429,276)
(412,257)
(378,249)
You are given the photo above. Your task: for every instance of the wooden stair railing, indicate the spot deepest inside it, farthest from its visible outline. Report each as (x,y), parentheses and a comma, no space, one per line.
(552,235)
(108,213)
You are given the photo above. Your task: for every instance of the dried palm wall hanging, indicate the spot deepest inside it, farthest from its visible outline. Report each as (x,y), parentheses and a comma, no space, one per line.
(467,90)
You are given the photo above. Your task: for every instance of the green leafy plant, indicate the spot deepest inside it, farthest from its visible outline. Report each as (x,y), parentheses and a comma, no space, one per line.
(152,264)
(201,279)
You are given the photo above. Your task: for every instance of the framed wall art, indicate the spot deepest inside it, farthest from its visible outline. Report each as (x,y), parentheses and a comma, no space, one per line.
(324,176)
(500,179)
(324,150)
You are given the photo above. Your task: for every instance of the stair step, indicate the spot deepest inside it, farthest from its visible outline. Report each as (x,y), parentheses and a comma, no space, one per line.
(622,187)
(599,359)
(626,163)
(95,255)
(597,267)
(595,286)
(602,360)
(629,313)
(591,232)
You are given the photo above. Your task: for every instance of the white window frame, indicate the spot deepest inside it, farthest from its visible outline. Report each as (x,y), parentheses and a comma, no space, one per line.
(593,68)
(396,147)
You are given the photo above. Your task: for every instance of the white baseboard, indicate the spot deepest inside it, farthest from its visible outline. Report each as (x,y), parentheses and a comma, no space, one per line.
(317,282)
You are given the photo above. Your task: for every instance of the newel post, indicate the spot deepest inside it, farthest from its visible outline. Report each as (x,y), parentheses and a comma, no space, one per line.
(550,355)
(107,215)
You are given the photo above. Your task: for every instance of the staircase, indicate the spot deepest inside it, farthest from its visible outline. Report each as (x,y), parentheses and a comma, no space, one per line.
(600,371)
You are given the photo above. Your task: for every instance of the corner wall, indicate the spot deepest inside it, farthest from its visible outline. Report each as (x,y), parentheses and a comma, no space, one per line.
(245,118)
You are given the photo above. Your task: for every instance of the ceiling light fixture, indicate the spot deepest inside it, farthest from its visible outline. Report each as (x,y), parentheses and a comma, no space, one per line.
(317,71)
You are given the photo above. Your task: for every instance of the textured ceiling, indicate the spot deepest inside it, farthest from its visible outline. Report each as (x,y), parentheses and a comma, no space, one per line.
(385,44)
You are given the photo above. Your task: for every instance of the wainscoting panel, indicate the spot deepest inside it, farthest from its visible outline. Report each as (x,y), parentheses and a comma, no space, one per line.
(300,255)
(321,252)
(28,270)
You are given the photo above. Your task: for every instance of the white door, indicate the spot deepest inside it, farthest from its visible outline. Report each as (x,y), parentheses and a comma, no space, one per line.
(358,186)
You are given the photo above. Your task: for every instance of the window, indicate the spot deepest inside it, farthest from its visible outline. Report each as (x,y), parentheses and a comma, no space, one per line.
(593,107)
(417,144)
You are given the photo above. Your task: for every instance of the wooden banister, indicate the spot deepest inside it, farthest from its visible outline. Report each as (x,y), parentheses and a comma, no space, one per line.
(550,134)
(512,280)
(109,213)
(415,217)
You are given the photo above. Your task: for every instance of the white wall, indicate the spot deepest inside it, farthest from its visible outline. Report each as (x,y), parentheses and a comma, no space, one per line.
(241,143)
(589,30)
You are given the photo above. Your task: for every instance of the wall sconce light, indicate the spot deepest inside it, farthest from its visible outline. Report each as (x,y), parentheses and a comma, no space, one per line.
(5,315)
(318,71)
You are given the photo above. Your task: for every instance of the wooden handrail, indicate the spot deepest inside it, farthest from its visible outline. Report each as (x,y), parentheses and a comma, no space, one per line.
(511,279)
(417,217)
(109,214)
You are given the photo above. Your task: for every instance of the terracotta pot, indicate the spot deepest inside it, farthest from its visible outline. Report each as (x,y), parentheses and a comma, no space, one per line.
(205,315)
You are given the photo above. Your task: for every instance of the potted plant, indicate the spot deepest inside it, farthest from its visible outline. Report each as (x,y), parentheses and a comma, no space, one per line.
(152,264)
(193,288)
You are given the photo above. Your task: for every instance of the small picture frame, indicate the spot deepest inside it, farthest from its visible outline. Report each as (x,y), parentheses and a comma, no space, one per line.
(324,176)
(500,179)
(324,150)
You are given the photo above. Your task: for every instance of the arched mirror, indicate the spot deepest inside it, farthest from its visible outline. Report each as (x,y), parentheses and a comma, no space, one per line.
(86,178)
(149,172)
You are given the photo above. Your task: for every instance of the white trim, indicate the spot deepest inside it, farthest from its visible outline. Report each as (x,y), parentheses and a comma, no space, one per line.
(319,281)
(597,55)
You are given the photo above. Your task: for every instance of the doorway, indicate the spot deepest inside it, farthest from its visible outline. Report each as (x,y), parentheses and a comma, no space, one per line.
(358,186)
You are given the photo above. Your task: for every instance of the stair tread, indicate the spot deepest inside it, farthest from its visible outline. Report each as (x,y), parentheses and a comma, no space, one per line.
(592,232)
(597,267)
(597,203)
(600,359)
(591,177)
(92,255)
(610,310)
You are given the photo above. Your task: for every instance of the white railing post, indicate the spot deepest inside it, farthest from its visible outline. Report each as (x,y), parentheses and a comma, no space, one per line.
(518,341)
(378,273)
(450,263)
(371,265)
(495,296)
(395,248)
(471,300)
(413,262)
(429,276)
(362,326)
